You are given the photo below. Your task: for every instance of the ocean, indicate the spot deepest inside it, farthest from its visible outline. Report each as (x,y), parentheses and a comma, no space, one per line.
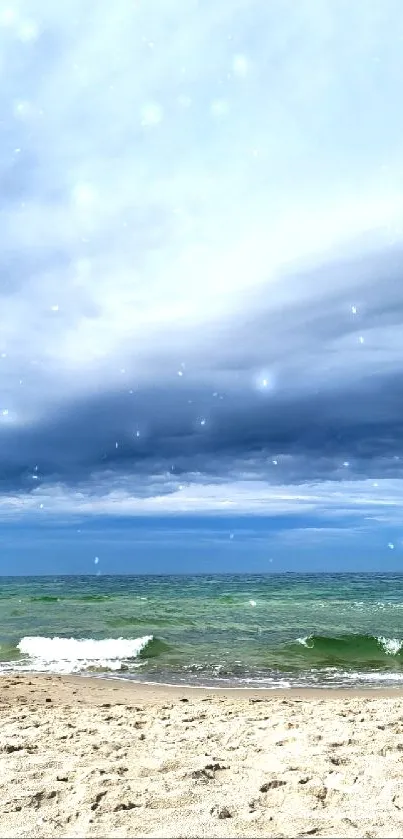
(269,631)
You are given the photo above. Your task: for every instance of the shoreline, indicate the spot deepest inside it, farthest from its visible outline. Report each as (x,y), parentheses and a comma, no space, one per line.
(92,688)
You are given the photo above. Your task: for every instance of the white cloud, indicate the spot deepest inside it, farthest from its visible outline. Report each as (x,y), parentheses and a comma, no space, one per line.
(233,231)
(330,499)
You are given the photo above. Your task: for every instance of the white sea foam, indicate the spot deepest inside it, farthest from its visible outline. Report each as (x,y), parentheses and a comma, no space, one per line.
(368,677)
(304,641)
(273,683)
(388,604)
(72,655)
(391,646)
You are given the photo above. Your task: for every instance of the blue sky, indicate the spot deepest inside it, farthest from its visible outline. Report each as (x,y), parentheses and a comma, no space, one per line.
(201,300)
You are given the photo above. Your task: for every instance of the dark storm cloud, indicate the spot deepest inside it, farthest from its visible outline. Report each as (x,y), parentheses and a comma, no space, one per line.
(326,398)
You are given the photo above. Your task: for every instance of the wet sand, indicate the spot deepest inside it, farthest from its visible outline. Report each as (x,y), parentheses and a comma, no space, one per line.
(92,757)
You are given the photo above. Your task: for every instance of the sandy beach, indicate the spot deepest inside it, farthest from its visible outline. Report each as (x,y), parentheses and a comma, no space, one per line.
(88,757)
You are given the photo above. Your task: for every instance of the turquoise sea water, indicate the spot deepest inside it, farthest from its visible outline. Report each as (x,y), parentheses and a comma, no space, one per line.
(264,631)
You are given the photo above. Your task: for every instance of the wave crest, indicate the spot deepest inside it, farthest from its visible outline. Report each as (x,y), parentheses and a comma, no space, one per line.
(347,648)
(72,655)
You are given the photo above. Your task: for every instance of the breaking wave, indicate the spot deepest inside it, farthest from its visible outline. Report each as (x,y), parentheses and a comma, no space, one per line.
(351,648)
(72,655)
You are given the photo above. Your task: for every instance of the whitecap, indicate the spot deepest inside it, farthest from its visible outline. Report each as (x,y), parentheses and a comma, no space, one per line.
(304,641)
(391,646)
(73,655)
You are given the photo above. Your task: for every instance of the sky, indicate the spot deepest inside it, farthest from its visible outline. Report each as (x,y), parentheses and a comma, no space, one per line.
(201,295)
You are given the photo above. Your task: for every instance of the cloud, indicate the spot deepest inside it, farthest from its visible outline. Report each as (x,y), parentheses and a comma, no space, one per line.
(201,255)
(326,506)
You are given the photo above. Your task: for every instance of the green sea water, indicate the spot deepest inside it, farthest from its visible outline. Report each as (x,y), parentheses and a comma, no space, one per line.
(259,631)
